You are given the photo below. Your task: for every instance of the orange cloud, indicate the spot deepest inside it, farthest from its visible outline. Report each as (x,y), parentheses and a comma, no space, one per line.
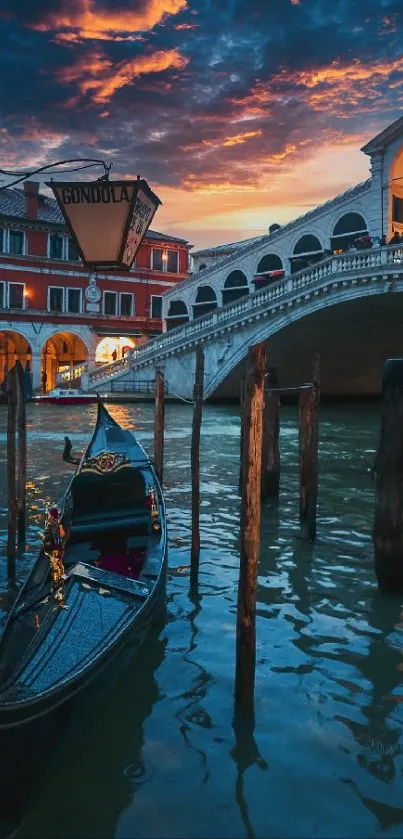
(89,22)
(237,139)
(97,74)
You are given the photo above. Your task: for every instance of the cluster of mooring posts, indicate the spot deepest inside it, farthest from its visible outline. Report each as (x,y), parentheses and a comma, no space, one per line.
(16,465)
(259,479)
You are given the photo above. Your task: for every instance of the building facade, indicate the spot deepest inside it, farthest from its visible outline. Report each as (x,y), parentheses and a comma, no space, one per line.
(372,209)
(54,313)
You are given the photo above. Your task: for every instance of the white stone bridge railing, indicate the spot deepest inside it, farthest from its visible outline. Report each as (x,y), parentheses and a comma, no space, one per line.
(347,268)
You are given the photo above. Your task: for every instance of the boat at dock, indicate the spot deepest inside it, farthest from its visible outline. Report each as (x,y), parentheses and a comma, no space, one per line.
(65,396)
(94,591)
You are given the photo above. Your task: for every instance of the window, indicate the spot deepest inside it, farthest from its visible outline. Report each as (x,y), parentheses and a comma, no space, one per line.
(72,252)
(172,264)
(55,299)
(55,246)
(156,264)
(74,300)
(16,295)
(2,240)
(110,302)
(16,241)
(156,306)
(2,296)
(397,211)
(126,304)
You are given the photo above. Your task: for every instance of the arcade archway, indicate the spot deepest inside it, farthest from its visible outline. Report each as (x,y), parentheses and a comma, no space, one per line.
(396,195)
(61,351)
(13,347)
(112,349)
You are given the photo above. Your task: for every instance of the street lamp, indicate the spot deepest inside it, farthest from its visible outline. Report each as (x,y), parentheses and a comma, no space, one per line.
(107,219)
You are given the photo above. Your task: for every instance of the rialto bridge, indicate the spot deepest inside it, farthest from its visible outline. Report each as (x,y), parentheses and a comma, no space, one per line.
(332,297)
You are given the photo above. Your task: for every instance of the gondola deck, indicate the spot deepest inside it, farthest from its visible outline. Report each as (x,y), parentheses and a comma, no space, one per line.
(61,634)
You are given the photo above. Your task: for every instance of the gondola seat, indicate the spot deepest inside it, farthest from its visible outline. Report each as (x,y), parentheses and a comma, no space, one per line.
(109,503)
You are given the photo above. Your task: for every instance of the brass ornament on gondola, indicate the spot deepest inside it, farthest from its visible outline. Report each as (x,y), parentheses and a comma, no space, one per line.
(105,463)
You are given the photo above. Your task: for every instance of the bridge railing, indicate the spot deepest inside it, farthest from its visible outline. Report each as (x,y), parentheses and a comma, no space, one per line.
(353,262)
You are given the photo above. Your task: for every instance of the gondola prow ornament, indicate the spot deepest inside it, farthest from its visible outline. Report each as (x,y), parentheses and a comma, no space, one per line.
(107,219)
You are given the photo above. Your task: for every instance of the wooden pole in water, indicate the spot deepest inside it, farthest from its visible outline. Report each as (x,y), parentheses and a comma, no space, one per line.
(387,531)
(195,464)
(271,446)
(241,404)
(159,425)
(250,528)
(11,474)
(22,452)
(308,455)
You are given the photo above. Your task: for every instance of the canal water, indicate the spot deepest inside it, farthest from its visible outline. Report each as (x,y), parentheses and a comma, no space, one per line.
(160,756)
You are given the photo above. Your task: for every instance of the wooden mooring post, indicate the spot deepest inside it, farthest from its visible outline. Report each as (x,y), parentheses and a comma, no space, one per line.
(270,484)
(241,407)
(387,534)
(159,425)
(250,528)
(195,465)
(11,473)
(308,454)
(21,453)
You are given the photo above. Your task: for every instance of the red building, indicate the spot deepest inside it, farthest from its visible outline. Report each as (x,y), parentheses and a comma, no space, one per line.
(54,313)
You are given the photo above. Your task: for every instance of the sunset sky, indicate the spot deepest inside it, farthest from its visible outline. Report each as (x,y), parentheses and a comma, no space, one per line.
(239,113)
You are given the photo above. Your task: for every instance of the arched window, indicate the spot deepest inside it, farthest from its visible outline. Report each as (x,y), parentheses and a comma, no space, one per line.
(307,251)
(206,300)
(235,286)
(269,262)
(177,315)
(349,227)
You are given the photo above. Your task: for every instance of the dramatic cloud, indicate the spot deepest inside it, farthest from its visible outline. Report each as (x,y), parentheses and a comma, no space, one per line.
(239,113)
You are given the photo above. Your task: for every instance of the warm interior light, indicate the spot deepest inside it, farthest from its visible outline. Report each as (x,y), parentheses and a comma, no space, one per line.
(108,346)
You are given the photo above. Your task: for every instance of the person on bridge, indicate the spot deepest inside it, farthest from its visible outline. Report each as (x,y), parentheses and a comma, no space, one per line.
(395,240)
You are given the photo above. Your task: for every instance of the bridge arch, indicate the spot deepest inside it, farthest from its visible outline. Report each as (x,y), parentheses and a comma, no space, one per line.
(235,286)
(307,250)
(205,302)
(348,227)
(269,262)
(177,315)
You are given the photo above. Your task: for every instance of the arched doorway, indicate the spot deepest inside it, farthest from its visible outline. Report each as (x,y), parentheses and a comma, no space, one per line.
(307,251)
(61,351)
(14,347)
(396,195)
(206,300)
(235,286)
(177,315)
(348,228)
(112,349)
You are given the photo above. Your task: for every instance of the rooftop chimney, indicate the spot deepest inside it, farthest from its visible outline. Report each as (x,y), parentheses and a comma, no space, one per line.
(31,190)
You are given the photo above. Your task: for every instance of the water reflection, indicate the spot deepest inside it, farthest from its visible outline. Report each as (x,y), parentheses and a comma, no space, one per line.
(109,756)
(164,756)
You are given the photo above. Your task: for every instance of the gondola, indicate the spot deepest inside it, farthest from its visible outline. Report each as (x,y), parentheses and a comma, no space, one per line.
(95,588)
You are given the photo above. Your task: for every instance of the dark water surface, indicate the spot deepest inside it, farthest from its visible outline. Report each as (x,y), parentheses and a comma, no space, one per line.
(160,756)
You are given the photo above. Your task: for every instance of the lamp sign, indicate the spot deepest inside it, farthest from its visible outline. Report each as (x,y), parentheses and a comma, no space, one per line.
(107,219)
